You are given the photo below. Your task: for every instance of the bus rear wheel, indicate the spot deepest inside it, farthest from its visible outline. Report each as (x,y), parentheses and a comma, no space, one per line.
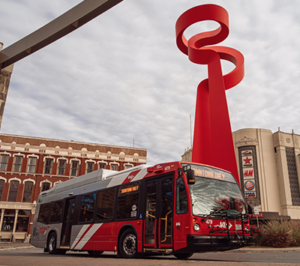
(128,244)
(183,256)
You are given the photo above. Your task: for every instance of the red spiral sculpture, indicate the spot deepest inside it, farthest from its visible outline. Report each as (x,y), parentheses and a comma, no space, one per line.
(213,143)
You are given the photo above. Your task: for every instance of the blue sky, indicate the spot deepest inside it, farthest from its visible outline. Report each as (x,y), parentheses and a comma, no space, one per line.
(121,76)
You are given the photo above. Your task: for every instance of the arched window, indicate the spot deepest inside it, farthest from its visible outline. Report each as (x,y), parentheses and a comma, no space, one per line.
(3,162)
(61,167)
(1,188)
(48,166)
(45,186)
(31,165)
(102,165)
(18,164)
(114,167)
(13,190)
(74,168)
(89,167)
(27,191)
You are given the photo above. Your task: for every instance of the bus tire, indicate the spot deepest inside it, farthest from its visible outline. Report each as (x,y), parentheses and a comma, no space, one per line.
(128,244)
(51,245)
(183,256)
(95,253)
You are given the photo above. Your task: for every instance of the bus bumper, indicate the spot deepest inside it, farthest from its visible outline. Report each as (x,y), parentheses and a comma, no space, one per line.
(198,243)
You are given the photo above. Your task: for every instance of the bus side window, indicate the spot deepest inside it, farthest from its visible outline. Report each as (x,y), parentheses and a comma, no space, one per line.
(105,205)
(87,208)
(181,198)
(56,212)
(128,201)
(44,213)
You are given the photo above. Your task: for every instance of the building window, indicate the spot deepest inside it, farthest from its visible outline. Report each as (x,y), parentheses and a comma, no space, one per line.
(114,167)
(3,162)
(22,221)
(18,164)
(90,167)
(8,220)
(27,191)
(48,166)
(102,165)
(1,188)
(31,165)
(45,186)
(13,190)
(74,168)
(127,166)
(61,167)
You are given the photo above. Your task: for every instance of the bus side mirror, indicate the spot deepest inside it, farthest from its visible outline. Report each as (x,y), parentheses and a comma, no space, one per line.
(190,174)
(250,210)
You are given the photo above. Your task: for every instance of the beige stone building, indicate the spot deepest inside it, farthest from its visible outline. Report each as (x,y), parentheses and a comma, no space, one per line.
(269,170)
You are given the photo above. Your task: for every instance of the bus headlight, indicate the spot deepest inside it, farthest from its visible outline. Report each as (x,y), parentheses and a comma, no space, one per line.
(196,227)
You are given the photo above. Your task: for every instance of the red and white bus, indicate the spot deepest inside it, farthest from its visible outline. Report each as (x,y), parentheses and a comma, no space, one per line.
(174,208)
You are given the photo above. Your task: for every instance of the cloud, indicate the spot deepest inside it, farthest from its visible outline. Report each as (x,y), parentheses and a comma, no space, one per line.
(121,77)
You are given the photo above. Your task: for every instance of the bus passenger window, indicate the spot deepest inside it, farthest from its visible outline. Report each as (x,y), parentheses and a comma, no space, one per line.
(56,212)
(181,198)
(105,205)
(87,208)
(128,201)
(128,206)
(44,213)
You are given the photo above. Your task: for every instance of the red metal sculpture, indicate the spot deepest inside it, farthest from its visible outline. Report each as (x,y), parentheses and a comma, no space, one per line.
(213,143)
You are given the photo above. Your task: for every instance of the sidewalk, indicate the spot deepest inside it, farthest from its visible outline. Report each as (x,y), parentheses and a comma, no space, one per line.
(11,246)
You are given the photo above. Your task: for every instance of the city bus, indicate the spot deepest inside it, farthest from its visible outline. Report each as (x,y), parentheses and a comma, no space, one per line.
(177,208)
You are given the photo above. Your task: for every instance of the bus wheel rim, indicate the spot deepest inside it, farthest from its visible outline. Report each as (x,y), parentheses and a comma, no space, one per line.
(52,243)
(129,244)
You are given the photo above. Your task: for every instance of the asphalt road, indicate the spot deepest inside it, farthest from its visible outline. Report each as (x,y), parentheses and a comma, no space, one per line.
(34,256)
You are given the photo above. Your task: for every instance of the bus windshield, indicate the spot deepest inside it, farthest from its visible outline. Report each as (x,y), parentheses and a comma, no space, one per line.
(212,194)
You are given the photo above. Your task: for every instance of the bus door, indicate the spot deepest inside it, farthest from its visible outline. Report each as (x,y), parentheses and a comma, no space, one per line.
(67,222)
(159,213)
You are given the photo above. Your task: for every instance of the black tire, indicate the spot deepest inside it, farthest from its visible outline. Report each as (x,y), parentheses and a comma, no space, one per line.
(51,244)
(95,253)
(183,256)
(128,244)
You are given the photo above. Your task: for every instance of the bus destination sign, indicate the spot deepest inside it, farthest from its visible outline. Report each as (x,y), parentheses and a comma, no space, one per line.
(212,173)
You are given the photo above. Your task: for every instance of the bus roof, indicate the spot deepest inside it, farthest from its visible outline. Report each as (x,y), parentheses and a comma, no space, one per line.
(92,177)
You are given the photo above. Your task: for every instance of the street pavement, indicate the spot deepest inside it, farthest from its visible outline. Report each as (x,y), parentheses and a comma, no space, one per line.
(19,254)
(12,246)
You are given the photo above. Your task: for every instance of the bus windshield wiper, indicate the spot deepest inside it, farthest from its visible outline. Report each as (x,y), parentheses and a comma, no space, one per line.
(213,212)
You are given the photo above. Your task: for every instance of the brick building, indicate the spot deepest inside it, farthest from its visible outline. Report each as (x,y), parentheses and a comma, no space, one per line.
(30,165)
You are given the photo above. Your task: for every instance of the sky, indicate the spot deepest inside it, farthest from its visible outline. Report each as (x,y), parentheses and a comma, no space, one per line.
(121,80)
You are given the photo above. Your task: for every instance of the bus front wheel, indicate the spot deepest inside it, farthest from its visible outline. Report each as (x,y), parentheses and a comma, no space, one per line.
(183,256)
(128,244)
(52,244)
